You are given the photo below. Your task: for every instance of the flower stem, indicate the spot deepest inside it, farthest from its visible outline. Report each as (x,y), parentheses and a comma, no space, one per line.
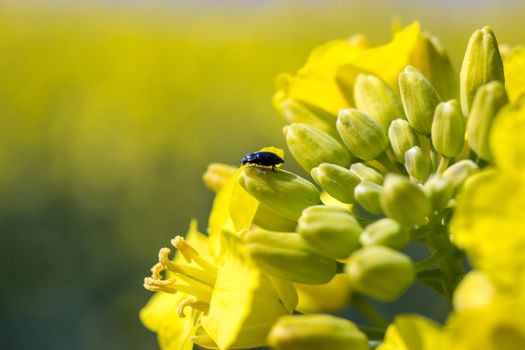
(369,311)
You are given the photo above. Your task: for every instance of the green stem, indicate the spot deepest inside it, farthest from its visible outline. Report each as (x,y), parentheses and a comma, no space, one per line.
(449,264)
(372,333)
(443,164)
(429,262)
(369,311)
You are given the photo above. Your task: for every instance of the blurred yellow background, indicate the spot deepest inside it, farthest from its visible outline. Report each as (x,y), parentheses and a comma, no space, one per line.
(109,115)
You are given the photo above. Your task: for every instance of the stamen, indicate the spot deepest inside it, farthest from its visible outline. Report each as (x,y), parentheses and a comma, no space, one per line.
(158,285)
(206,277)
(194,303)
(190,254)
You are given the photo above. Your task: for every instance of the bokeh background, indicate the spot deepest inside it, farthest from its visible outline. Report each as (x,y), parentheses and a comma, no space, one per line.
(109,115)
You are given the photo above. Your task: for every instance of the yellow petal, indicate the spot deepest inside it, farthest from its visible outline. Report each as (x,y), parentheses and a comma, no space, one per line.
(489,224)
(514,66)
(385,61)
(160,316)
(230,306)
(413,332)
(332,296)
(506,139)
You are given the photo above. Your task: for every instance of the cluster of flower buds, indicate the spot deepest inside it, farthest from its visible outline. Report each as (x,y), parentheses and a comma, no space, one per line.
(389,170)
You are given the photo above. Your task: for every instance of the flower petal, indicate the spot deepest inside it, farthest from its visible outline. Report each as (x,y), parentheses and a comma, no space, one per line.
(514,67)
(413,332)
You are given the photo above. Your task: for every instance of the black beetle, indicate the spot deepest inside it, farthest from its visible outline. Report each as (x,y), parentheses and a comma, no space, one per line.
(262,159)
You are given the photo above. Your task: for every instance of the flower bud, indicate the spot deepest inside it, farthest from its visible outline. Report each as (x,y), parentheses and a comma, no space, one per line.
(311,146)
(332,230)
(268,220)
(402,138)
(282,192)
(439,190)
(368,194)
(375,98)
(217,175)
(288,256)
(482,64)
(488,101)
(380,272)
(337,181)
(385,232)
(301,112)
(363,136)
(404,201)
(419,99)
(316,332)
(448,129)
(366,173)
(417,163)
(458,172)
(433,62)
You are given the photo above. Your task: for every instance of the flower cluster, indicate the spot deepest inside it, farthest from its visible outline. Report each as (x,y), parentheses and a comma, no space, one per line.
(399,149)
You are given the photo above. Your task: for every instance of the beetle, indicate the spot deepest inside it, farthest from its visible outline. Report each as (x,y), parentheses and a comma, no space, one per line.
(262,159)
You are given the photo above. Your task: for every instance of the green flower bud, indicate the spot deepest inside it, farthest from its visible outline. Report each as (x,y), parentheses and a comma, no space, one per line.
(267,219)
(217,175)
(448,129)
(337,181)
(316,332)
(363,136)
(404,201)
(366,173)
(432,60)
(458,172)
(488,101)
(311,146)
(402,138)
(439,190)
(301,112)
(330,229)
(375,98)
(482,64)
(288,256)
(282,192)
(380,272)
(368,194)
(417,163)
(419,99)
(385,232)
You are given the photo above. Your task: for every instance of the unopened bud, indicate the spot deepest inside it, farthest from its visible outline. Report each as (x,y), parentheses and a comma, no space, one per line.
(316,332)
(404,201)
(402,138)
(363,136)
(385,232)
(301,112)
(375,98)
(439,190)
(458,172)
(311,146)
(366,173)
(482,64)
(488,101)
(448,129)
(380,272)
(368,194)
(280,191)
(330,229)
(217,175)
(417,163)
(337,181)
(419,99)
(288,256)
(269,220)
(432,60)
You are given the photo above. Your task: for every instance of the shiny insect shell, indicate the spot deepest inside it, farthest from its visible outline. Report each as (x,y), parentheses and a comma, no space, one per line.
(262,159)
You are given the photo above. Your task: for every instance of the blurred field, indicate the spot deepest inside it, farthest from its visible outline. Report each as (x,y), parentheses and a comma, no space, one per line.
(107,121)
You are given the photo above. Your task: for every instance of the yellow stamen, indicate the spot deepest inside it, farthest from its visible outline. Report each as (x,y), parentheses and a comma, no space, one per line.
(204,276)
(194,303)
(190,254)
